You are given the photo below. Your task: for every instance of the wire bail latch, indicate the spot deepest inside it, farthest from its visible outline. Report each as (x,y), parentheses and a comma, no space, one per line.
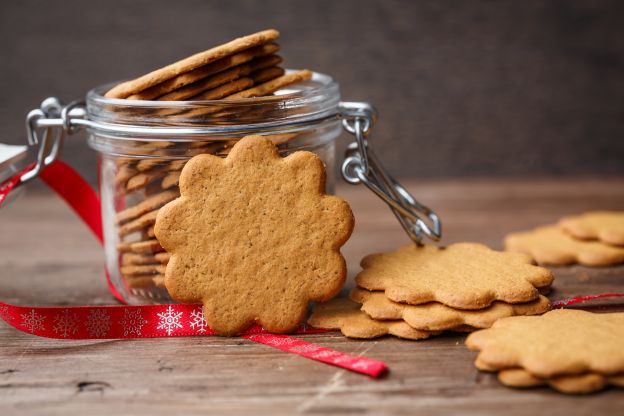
(362,166)
(45,128)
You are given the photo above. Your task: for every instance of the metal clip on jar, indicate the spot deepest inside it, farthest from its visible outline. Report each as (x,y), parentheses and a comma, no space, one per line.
(142,146)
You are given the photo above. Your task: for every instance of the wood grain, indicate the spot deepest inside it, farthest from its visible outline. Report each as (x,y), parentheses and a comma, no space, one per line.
(48,257)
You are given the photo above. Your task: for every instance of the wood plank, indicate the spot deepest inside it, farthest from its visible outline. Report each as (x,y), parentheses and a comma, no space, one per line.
(48,257)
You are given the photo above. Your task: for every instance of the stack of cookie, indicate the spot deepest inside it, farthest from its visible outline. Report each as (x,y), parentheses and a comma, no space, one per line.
(419,291)
(242,68)
(571,351)
(591,239)
(246,67)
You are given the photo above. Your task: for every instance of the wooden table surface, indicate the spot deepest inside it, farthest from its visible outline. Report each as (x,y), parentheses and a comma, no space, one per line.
(48,257)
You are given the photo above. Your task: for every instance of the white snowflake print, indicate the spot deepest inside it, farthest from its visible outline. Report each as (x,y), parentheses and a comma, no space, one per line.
(362,365)
(132,322)
(65,323)
(197,321)
(4,313)
(306,348)
(283,341)
(326,354)
(98,323)
(169,320)
(33,321)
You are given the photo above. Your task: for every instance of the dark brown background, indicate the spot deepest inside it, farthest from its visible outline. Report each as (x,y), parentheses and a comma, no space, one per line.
(464,88)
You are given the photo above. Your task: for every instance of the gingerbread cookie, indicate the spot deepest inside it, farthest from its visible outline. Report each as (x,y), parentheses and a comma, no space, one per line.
(138,259)
(221,78)
(550,245)
(128,88)
(162,258)
(434,316)
(142,247)
(124,173)
(345,315)
(142,270)
(273,85)
(462,276)
(207,84)
(575,384)
(560,342)
(170,180)
(254,237)
(124,247)
(606,226)
(205,71)
(266,74)
(223,91)
(138,224)
(142,179)
(140,281)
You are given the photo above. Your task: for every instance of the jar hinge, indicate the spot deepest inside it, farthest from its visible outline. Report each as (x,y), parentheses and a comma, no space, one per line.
(362,166)
(46,127)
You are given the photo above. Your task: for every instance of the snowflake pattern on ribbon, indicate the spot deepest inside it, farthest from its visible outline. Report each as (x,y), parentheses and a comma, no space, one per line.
(363,365)
(65,323)
(326,354)
(132,322)
(33,321)
(306,348)
(197,321)
(98,323)
(4,313)
(281,341)
(169,320)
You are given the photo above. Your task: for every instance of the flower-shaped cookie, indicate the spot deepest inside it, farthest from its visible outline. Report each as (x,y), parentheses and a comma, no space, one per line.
(551,245)
(560,342)
(434,316)
(253,237)
(606,226)
(345,315)
(462,275)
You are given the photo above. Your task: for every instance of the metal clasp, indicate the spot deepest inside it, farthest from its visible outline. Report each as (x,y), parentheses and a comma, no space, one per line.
(362,166)
(45,128)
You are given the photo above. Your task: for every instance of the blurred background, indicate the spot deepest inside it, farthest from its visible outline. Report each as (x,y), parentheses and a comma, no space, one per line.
(465,89)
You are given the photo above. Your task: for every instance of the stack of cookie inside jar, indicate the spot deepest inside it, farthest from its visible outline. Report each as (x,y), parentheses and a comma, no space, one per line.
(241,69)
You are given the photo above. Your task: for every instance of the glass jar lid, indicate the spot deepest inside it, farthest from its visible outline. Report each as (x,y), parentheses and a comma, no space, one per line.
(293,108)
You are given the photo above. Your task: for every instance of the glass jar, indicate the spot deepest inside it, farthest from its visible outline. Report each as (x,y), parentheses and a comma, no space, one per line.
(143,145)
(140,159)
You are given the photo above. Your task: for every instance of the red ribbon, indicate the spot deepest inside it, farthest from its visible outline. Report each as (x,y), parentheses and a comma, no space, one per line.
(149,321)
(145,321)
(562,303)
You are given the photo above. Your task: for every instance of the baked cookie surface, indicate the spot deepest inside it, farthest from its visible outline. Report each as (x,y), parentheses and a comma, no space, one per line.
(462,275)
(254,237)
(551,245)
(560,342)
(606,226)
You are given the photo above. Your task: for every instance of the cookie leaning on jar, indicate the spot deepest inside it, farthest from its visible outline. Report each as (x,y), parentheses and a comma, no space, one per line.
(243,68)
